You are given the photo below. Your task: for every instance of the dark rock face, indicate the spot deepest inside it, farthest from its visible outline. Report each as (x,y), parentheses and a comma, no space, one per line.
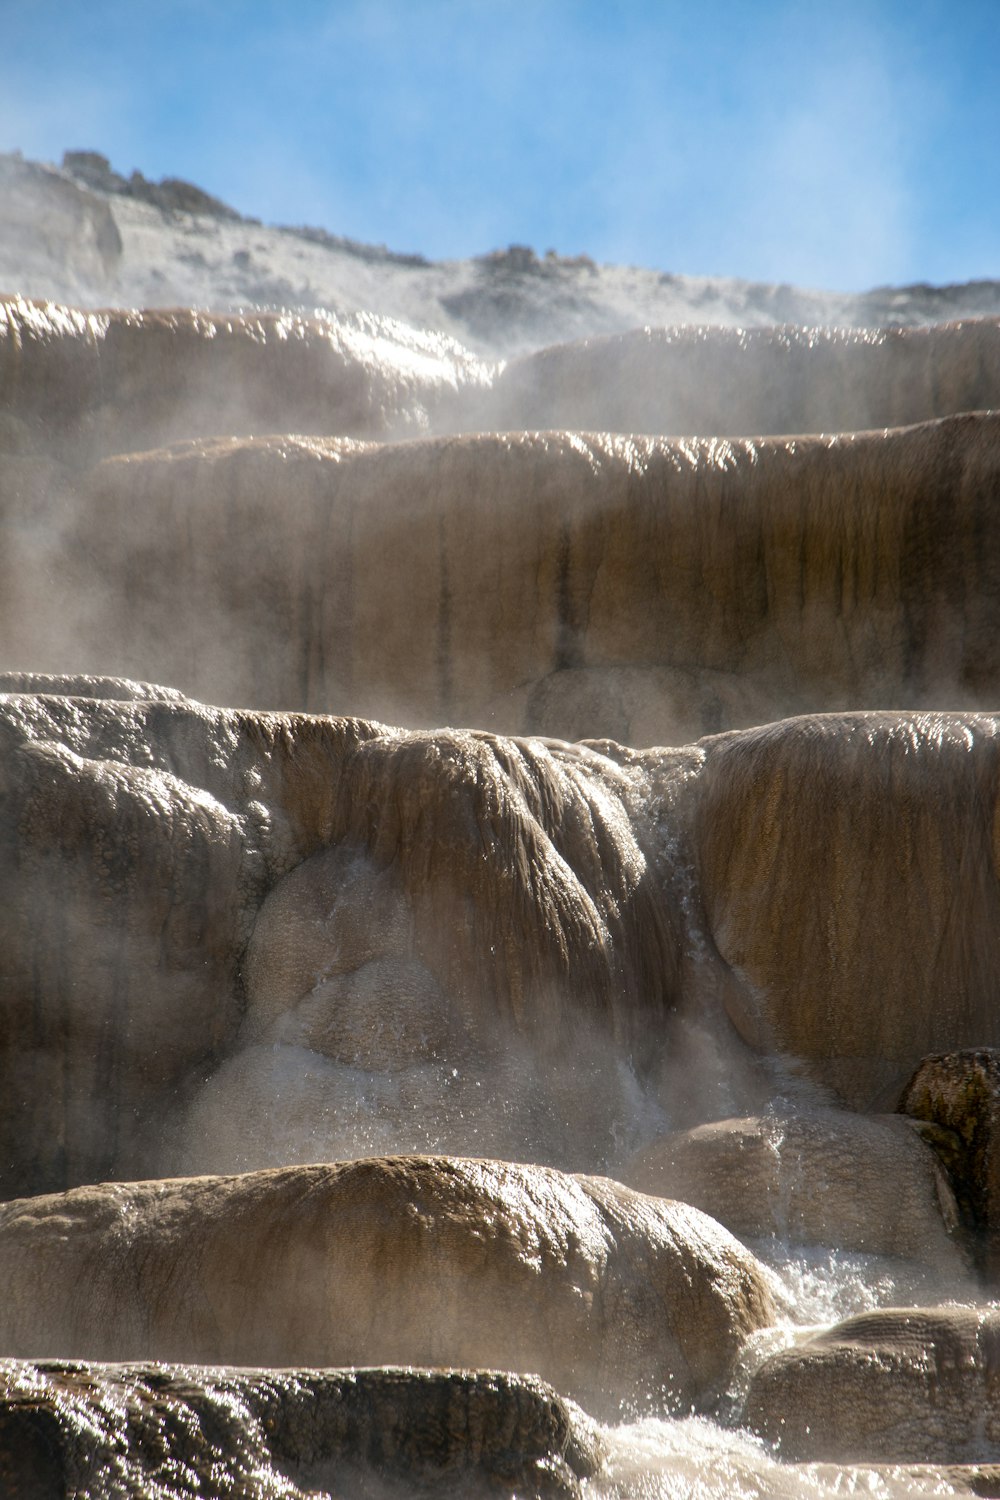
(369,1433)
(957,1095)
(171,194)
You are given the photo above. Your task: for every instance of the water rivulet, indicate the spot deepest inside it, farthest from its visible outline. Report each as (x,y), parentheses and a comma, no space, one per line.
(389,1108)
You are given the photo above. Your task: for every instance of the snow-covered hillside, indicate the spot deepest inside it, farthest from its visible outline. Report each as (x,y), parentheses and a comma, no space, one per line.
(83,234)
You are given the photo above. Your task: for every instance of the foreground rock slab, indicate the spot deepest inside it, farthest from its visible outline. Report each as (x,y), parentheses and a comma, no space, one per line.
(618,1299)
(136,1430)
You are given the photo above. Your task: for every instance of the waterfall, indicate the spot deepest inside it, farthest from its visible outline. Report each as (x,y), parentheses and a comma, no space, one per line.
(500,909)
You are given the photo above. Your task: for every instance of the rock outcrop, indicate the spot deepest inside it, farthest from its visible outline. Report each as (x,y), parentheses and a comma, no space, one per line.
(79,385)
(646,590)
(816,1178)
(290,1432)
(751,381)
(385,939)
(858,909)
(619,1300)
(913,1385)
(67,234)
(956,1096)
(261,937)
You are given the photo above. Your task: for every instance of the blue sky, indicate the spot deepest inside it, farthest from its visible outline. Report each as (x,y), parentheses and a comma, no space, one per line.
(822,142)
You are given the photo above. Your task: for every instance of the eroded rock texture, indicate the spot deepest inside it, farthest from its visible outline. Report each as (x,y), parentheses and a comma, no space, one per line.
(910,1385)
(956,1096)
(642,589)
(258,937)
(235,939)
(615,1298)
(753,380)
(78,385)
(72,1429)
(818,1178)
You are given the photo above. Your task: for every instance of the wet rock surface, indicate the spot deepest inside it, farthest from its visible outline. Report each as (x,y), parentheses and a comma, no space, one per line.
(77,1429)
(261,937)
(957,1096)
(623,1302)
(909,1385)
(812,1179)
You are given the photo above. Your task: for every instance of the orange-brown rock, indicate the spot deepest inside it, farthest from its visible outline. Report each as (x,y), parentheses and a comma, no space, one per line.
(89,383)
(431,1261)
(848,869)
(466,932)
(643,589)
(140,838)
(83,384)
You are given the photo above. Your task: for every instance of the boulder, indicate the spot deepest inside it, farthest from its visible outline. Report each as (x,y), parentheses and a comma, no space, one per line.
(957,1096)
(617,1299)
(129,1429)
(813,1179)
(913,1385)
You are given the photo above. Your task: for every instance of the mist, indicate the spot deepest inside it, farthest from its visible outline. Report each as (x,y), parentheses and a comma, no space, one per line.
(500,803)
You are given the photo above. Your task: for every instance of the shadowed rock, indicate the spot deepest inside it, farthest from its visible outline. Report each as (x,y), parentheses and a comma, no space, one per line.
(248,1433)
(957,1095)
(616,1298)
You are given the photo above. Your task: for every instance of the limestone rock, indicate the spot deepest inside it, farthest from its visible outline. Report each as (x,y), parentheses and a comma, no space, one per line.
(85,384)
(640,589)
(53,229)
(957,1095)
(615,1298)
(830,852)
(809,1179)
(716,381)
(898,1385)
(487,937)
(181,885)
(123,1429)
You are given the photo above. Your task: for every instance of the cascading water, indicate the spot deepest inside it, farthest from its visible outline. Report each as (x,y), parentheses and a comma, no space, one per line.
(239,941)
